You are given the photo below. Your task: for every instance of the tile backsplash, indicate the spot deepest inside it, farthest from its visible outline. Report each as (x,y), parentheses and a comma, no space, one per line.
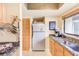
(72,39)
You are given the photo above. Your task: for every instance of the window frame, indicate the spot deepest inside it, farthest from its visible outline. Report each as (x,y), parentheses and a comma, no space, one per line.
(64,25)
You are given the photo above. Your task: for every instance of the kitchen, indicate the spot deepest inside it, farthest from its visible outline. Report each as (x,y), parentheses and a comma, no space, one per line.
(9,31)
(55,24)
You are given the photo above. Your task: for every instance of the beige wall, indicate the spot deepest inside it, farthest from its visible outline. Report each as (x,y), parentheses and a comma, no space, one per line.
(24,12)
(48,19)
(59,23)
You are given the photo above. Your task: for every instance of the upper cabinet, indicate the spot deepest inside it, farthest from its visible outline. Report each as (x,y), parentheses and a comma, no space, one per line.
(7,11)
(1,12)
(12,9)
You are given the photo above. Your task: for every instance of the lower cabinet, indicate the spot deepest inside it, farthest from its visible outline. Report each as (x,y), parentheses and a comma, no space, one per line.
(57,50)
(52,47)
(67,53)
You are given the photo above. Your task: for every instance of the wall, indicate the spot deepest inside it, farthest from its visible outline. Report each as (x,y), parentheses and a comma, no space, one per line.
(24,12)
(59,23)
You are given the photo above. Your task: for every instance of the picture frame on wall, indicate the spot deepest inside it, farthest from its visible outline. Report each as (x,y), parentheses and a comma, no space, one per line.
(52,25)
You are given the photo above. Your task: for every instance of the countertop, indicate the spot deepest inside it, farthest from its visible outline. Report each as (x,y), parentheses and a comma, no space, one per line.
(66,44)
(6,36)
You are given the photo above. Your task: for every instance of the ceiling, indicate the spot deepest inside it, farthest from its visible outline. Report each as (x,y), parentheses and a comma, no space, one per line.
(27,11)
(43,6)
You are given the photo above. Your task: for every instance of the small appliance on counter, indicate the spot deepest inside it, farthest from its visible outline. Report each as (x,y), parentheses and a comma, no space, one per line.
(58,33)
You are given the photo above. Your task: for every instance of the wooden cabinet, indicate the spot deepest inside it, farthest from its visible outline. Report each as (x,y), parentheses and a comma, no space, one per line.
(58,50)
(55,48)
(7,11)
(26,34)
(67,53)
(1,12)
(52,46)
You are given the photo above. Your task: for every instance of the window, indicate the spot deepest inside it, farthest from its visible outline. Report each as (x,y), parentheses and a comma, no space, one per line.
(72,25)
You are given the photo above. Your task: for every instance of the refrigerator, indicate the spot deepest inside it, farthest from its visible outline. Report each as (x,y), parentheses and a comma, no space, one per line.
(38,36)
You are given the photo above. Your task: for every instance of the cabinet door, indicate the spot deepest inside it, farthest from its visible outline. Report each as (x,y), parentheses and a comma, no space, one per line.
(52,46)
(4,12)
(58,49)
(1,14)
(26,34)
(58,53)
(67,53)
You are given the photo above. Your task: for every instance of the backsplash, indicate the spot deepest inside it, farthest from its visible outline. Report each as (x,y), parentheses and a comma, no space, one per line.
(71,39)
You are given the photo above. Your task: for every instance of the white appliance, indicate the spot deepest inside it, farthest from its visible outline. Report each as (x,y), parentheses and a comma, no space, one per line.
(38,39)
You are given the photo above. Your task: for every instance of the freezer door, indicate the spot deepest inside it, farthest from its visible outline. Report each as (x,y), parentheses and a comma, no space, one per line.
(38,41)
(38,27)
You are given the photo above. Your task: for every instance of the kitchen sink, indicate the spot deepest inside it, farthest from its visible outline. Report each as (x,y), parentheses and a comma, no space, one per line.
(75,47)
(71,45)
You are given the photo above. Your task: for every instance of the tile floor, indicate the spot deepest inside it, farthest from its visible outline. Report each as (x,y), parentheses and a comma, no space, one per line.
(13,52)
(36,53)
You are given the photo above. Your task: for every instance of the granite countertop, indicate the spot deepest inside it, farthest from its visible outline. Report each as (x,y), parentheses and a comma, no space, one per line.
(6,36)
(66,44)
